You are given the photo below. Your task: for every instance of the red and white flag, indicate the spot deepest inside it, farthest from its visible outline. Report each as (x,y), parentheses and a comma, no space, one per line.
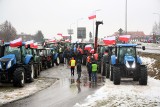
(110,40)
(29,42)
(67,40)
(60,34)
(92,17)
(34,45)
(124,38)
(88,47)
(16,42)
(52,40)
(92,51)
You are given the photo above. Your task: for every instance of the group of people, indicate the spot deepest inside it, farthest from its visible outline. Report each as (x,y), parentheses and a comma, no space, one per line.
(92,68)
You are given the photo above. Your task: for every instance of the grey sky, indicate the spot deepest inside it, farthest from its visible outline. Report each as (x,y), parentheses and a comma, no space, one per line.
(56,16)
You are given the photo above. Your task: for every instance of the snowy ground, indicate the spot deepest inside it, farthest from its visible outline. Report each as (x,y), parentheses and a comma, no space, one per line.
(8,93)
(128,94)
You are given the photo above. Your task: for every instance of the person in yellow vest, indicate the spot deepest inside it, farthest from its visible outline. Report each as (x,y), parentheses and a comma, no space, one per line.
(72,63)
(94,68)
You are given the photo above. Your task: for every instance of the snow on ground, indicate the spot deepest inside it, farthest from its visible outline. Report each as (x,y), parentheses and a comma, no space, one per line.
(8,93)
(128,94)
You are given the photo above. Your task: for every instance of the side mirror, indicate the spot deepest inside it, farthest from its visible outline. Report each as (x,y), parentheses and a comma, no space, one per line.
(143,48)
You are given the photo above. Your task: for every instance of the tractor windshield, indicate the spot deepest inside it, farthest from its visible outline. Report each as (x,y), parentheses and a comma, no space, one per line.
(126,51)
(13,50)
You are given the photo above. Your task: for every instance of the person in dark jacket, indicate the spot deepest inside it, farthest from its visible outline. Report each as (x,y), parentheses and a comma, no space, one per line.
(79,70)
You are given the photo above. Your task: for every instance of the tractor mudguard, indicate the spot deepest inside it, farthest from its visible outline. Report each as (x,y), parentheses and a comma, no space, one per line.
(113,59)
(139,60)
(27,58)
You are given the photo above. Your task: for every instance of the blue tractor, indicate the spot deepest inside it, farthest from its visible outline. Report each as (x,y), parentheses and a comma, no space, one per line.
(126,63)
(16,66)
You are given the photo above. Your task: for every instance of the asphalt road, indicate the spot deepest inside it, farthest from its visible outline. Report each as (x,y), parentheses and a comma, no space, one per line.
(66,92)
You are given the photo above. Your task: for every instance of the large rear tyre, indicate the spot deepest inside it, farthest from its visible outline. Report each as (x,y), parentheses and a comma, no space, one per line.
(19,77)
(31,70)
(61,58)
(36,71)
(111,73)
(143,75)
(108,72)
(116,75)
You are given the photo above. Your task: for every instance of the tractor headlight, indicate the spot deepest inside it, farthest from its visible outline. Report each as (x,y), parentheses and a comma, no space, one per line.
(9,64)
(127,64)
(134,64)
(0,66)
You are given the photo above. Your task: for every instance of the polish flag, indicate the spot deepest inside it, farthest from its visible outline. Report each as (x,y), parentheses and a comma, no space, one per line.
(60,34)
(124,38)
(110,40)
(29,42)
(92,17)
(88,47)
(52,40)
(92,51)
(67,40)
(16,42)
(34,45)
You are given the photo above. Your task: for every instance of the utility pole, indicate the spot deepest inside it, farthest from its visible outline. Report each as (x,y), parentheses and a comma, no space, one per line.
(126,18)
(96,35)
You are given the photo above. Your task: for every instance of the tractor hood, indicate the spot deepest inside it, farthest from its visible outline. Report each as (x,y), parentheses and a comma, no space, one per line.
(7,61)
(130,62)
(129,58)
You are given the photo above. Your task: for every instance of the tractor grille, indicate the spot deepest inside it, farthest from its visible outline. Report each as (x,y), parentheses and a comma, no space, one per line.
(4,62)
(130,63)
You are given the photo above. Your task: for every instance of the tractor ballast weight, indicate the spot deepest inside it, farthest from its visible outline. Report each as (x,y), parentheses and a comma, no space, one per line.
(126,63)
(16,66)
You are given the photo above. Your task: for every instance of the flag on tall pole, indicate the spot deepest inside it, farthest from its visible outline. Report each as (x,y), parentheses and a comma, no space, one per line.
(92,17)
(60,34)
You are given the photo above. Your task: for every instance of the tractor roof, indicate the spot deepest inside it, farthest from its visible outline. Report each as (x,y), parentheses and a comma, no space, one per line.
(127,45)
(8,43)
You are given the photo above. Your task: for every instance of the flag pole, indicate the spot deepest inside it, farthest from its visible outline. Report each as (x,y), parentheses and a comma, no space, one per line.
(93,30)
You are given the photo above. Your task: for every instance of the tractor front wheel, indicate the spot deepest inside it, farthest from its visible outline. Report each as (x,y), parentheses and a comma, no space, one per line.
(31,70)
(19,77)
(143,75)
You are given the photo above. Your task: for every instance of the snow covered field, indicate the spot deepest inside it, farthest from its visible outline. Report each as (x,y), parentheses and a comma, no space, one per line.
(128,94)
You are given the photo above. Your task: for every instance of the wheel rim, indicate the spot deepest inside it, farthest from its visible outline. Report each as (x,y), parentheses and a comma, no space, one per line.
(32,71)
(22,81)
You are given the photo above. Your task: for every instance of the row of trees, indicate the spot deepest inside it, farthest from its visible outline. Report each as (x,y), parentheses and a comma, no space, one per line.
(8,33)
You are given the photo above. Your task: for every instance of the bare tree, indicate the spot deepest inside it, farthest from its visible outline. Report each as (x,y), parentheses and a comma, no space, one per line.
(8,32)
(39,36)
(156,29)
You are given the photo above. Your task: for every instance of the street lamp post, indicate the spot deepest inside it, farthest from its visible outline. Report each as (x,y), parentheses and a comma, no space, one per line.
(126,18)
(93,19)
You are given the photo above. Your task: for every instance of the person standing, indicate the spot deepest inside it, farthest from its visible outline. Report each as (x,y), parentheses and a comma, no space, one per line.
(94,71)
(79,70)
(72,63)
(89,66)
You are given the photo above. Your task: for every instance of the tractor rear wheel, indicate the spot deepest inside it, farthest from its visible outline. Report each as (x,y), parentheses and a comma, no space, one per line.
(111,73)
(143,75)
(108,72)
(19,77)
(116,75)
(61,58)
(36,71)
(31,70)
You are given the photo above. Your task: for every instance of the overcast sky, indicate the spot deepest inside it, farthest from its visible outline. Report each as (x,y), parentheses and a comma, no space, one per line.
(56,16)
